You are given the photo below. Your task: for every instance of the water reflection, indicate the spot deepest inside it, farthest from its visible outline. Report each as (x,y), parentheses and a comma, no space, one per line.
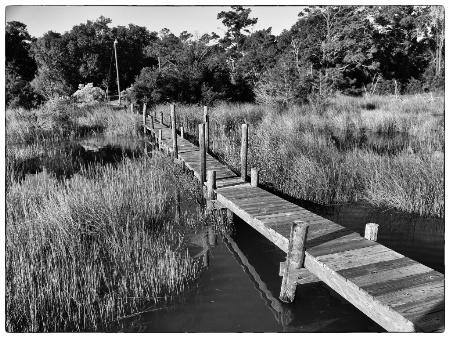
(64,159)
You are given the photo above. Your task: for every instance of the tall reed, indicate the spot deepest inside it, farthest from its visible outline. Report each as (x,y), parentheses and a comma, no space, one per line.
(386,151)
(86,252)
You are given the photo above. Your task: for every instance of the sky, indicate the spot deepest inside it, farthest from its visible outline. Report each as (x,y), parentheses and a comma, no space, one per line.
(194,19)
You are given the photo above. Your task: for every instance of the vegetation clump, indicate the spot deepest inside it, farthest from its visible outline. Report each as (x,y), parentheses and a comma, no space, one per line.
(84,253)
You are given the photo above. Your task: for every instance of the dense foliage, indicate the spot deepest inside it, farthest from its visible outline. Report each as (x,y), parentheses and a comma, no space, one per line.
(347,49)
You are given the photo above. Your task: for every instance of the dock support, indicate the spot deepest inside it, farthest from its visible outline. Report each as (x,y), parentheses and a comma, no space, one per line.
(182,132)
(152,123)
(160,139)
(201,141)
(161,117)
(211,185)
(174,131)
(244,147)
(254,177)
(206,120)
(132,107)
(144,117)
(371,232)
(230,217)
(154,115)
(294,261)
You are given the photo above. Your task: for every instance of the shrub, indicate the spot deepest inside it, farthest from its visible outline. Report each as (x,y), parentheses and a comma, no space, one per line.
(88,95)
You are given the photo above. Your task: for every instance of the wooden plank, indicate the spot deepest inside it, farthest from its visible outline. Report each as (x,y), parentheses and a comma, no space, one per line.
(376,267)
(350,244)
(406,271)
(403,283)
(433,322)
(380,313)
(347,259)
(273,236)
(418,308)
(422,291)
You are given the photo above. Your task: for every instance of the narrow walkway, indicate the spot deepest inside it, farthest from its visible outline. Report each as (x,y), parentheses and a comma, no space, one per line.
(398,293)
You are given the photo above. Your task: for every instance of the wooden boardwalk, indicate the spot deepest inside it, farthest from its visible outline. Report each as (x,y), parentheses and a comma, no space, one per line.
(398,293)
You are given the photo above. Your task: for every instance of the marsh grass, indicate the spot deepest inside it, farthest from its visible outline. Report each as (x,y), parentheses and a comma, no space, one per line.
(83,253)
(382,150)
(53,122)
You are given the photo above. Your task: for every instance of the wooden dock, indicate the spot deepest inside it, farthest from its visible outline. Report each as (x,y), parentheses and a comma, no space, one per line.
(398,293)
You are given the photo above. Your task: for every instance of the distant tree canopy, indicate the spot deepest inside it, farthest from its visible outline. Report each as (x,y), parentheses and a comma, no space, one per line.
(348,49)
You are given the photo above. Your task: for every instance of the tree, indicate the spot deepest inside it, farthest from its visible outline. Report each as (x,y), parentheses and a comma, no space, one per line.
(20,67)
(237,21)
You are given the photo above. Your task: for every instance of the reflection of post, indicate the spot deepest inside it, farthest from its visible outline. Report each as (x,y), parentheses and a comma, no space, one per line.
(212,238)
(280,310)
(294,260)
(205,248)
(177,205)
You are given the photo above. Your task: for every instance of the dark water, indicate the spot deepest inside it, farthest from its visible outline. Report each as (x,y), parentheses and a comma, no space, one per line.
(240,287)
(64,159)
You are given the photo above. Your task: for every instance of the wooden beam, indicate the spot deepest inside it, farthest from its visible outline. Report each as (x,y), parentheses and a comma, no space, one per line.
(244,149)
(371,232)
(201,140)
(294,261)
(206,121)
(174,131)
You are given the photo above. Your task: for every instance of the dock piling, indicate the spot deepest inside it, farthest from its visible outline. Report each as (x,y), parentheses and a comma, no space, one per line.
(182,132)
(201,141)
(371,232)
(211,185)
(144,117)
(132,107)
(160,144)
(294,260)
(206,121)
(244,148)
(161,117)
(174,131)
(254,177)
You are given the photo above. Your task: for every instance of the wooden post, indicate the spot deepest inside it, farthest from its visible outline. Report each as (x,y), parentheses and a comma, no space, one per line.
(201,141)
(144,117)
(174,131)
(254,177)
(294,261)
(160,139)
(230,217)
(132,107)
(161,117)
(154,115)
(371,232)
(244,147)
(152,123)
(182,132)
(206,120)
(211,185)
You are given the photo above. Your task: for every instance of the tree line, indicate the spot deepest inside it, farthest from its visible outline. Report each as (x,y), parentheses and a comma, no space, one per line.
(348,49)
